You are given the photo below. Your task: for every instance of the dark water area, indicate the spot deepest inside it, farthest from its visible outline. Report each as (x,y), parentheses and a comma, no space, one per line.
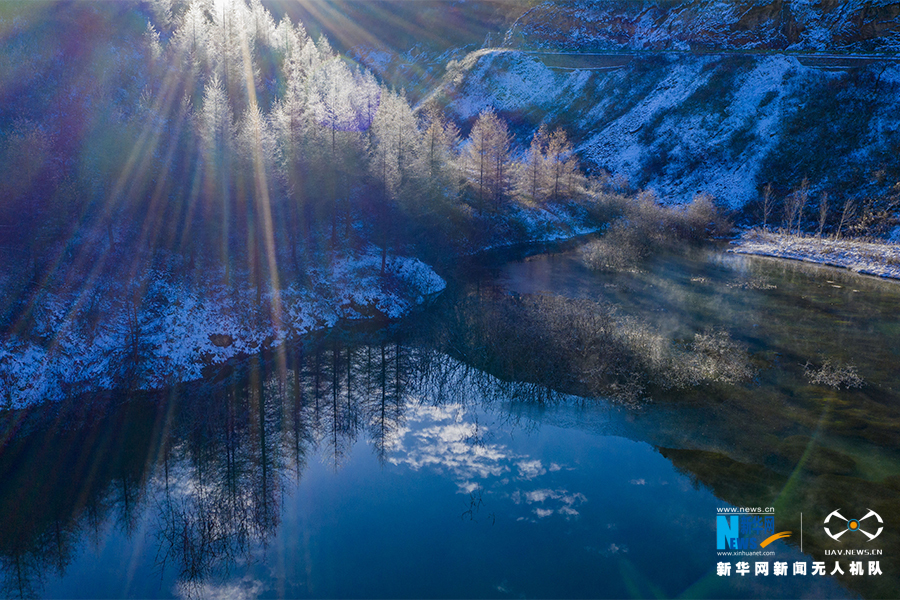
(385,463)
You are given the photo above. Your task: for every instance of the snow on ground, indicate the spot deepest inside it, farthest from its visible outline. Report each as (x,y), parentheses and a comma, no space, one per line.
(736,180)
(745,118)
(512,81)
(178,331)
(867,258)
(617,146)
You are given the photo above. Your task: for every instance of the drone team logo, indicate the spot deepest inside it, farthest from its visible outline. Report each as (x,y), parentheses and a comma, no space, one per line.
(842,525)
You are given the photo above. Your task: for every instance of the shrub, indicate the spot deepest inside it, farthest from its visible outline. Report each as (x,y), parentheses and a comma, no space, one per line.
(833,374)
(647,227)
(584,347)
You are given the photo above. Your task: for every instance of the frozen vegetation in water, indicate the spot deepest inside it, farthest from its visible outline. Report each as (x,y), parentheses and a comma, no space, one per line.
(587,348)
(833,374)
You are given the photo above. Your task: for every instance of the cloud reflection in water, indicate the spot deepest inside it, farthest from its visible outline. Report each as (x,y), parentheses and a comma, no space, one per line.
(450,440)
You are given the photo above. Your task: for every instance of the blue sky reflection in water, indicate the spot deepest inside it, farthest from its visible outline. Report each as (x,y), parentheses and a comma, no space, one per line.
(469,503)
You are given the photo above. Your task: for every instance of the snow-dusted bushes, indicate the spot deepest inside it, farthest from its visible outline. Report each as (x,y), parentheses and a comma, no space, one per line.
(648,227)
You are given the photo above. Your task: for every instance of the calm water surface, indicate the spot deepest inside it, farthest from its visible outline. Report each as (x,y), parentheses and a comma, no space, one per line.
(379,464)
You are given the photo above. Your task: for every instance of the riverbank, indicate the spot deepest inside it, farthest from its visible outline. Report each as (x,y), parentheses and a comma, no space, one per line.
(867,258)
(179,329)
(86,342)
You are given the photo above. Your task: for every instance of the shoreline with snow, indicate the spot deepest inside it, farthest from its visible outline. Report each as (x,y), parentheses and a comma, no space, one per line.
(189,329)
(190,332)
(878,259)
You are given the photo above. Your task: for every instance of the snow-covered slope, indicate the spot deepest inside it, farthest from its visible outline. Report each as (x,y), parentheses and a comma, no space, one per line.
(687,96)
(682,123)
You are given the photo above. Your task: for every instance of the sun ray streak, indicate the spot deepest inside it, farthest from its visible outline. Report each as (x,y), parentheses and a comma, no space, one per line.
(261,183)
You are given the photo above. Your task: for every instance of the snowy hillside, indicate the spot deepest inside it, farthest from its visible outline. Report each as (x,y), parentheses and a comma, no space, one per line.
(684,96)
(685,123)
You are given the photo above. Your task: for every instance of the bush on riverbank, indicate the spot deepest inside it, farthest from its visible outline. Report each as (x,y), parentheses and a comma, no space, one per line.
(646,227)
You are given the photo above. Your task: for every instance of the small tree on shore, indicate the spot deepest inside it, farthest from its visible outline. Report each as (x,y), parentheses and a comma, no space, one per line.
(794,205)
(563,164)
(488,157)
(767,204)
(535,164)
(823,211)
(846,215)
(802,199)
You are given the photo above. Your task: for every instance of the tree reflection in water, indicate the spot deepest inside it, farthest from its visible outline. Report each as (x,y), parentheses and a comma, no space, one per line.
(209,461)
(237,446)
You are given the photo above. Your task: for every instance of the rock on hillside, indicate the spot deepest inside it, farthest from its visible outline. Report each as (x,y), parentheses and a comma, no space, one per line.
(804,25)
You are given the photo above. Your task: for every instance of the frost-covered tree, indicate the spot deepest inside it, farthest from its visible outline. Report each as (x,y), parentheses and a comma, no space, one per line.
(441,141)
(256,150)
(310,59)
(288,38)
(216,119)
(533,173)
(232,47)
(191,40)
(488,160)
(398,146)
(341,100)
(262,27)
(562,163)
(395,157)
(291,109)
(216,132)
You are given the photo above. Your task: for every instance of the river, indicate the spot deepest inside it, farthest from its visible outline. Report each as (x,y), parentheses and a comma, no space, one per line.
(420,460)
